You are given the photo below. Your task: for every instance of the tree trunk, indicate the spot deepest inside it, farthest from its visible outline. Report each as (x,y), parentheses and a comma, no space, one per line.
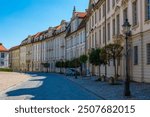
(99,71)
(118,60)
(47,70)
(115,68)
(81,70)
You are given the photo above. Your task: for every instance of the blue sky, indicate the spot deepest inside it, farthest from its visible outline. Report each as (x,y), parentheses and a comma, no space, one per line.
(20,18)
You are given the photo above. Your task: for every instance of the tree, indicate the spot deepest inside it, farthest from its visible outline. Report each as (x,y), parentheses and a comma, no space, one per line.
(66,64)
(83,60)
(46,65)
(96,59)
(114,51)
(60,64)
(75,63)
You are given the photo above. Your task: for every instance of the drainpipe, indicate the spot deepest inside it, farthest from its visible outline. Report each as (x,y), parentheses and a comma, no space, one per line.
(41,67)
(141,32)
(86,47)
(105,37)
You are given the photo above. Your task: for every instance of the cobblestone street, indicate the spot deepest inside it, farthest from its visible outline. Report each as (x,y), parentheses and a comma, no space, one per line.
(42,86)
(46,86)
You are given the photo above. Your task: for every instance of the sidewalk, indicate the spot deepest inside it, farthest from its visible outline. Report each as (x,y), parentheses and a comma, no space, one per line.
(10,79)
(139,91)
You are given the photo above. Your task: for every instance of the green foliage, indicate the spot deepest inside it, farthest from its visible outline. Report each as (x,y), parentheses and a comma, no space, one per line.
(46,65)
(104,56)
(72,63)
(95,57)
(75,63)
(6,70)
(114,51)
(60,64)
(66,64)
(83,58)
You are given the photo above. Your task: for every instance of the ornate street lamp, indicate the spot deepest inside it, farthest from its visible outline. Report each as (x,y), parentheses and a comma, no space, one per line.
(126,28)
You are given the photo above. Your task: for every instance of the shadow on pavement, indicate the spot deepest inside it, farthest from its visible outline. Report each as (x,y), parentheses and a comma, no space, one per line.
(53,87)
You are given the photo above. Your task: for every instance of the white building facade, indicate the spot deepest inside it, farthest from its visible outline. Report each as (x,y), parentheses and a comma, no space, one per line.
(75,37)
(4,57)
(56,45)
(104,26)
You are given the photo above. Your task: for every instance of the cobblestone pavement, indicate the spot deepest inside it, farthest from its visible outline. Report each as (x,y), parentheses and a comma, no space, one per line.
(44,86)
(139,91)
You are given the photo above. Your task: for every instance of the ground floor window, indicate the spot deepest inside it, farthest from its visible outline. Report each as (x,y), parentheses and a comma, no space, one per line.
(148,53)
(135,55)
(2,63)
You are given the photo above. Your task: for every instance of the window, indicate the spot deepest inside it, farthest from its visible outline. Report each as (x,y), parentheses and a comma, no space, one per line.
(134,12)
(80,37)
(114,27)
(92,40)
(104,10)
(92,20)
(125,14)
(103,34)
(108,28)
(118,24)
(95,39)
(135,55)
(99,14)
(147,9)
(100,36)
(148,53)
(108,5)
(90,26)
(113,3)
(95,17)
(2,63)
(2,55)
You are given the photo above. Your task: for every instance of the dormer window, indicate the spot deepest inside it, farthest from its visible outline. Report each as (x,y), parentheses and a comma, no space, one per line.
(74,26)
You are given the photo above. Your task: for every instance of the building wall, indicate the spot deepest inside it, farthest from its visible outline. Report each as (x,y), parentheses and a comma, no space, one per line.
(37,57)
(57,47)
(15,65)
(75,45)
(44,55)
(23,66)
(140,36)
(29,57)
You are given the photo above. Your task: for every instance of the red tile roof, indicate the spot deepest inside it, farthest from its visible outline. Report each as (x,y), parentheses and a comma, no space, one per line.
(58,27)
(14,48)
(37,35)
(81,14)
(2,48)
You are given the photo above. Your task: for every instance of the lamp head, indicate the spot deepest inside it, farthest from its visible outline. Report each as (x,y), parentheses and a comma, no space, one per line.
(126,27)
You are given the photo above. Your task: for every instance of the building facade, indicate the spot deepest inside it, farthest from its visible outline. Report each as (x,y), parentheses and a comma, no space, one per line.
(75,37)
(104,26)
(23,62)
(4,57)
(99,26)
(14,52)
(56,45)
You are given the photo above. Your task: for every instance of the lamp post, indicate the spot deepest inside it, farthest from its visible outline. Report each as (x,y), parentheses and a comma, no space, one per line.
(126,28)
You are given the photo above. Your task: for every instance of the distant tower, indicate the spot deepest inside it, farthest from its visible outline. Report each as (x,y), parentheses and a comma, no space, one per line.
(74,10)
